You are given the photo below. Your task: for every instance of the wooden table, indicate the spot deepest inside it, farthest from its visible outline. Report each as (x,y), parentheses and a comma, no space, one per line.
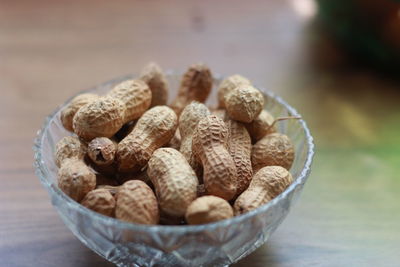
(348,214)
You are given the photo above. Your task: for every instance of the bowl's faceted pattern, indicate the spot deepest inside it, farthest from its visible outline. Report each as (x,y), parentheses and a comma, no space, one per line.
(216,244)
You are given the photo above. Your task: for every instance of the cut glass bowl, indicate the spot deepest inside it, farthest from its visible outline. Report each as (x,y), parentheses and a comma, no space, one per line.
(217,244)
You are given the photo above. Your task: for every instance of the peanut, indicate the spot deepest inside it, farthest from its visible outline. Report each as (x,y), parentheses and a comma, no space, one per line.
(215,162)
(136,96)
(208,209)
(209,147)
(196,85)
(105,116)
(273,150)
(261,126)
(239,146)
(266,184)
(101,151)
(136,203)
(154,77)
(101,117)
(190,117)
(101,201)
(69,111)
(76,179)
(174,181)
(154,129)
(227,85)
(69,147)
(244,103)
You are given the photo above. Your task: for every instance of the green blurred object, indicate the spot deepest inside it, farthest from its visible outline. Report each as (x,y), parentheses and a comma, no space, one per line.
(369,29)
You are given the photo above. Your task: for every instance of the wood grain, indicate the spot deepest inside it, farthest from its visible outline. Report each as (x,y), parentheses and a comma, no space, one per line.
(49,50)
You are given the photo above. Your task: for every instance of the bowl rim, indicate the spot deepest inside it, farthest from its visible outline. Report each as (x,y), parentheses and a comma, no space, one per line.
(42,172)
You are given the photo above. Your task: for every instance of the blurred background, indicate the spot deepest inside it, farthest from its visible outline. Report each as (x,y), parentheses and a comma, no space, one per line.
(336,61)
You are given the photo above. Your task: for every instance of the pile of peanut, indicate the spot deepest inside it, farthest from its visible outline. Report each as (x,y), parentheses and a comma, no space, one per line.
(135,158)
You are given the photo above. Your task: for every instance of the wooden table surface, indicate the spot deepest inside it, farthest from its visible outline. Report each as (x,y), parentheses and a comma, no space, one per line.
(349,213)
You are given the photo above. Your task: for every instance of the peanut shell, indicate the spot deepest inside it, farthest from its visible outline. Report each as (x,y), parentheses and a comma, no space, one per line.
(76,179)
(135,95)
(102,117)
(209,147)
(244,103)
(260,126)
(154,77)
(239,146)
(274,149)
(136,203)
(101,151)
(68,112)
(196,85)
(174,181)
(101,201)
(69,147)
(227,85)
(154,129)
(208,209)
(266,184)
(188,120)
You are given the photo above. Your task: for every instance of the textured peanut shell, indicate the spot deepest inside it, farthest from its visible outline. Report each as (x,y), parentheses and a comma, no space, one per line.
(266,184)
(153,130)
(136,96)
(244,103)
(273,150)
(101,151)
(209,147)
(260,126)
(174,181)
(101,201)
(227,85)
(196,85)
(208,209)
(69,111)
(154,77)
(188,120)
(239,146)
(76,179)
(102,117)
(69,147)
(136,203)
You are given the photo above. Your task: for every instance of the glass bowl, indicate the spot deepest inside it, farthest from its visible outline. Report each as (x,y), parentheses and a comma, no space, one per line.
(217,244)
